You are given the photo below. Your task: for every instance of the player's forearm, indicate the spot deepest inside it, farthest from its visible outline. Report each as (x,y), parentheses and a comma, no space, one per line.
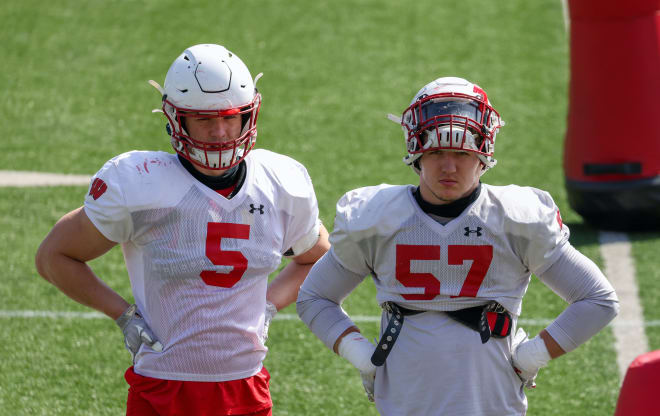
(77,280)
(593,303)
(579,322)
(335,347)
(554,349)
(283,290)
(318,301)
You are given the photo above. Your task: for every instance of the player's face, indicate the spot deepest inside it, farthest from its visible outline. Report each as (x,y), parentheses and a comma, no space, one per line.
(448,175)
(213,130)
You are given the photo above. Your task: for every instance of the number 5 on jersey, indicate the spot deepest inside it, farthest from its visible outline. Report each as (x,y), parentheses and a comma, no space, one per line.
(481,257)
(215,232)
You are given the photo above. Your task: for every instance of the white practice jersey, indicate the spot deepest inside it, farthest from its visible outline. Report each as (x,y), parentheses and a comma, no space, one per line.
(486,253)
(199,262)
(439,366)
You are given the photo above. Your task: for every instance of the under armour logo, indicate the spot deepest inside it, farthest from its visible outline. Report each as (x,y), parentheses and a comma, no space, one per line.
(468,231)
(253,208)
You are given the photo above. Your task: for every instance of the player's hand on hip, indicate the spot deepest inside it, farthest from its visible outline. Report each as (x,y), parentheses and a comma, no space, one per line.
(528,357)
(269,314)
(357,350)
(368,381)
(136,332)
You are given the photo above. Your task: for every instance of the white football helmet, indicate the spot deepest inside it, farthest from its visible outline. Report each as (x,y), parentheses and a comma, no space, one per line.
(450,114)
(209,81)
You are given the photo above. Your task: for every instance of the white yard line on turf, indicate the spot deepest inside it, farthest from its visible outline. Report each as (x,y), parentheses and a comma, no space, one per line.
(567,15)
(278,317)
(630,340)
(15,178)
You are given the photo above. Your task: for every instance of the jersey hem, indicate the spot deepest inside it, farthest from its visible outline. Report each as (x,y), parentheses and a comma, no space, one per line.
(197,377)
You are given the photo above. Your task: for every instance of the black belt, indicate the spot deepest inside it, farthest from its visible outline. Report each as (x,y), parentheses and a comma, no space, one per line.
(491,319)
(391,333)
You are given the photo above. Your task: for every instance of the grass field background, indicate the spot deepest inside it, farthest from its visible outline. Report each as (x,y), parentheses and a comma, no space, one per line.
(75,94)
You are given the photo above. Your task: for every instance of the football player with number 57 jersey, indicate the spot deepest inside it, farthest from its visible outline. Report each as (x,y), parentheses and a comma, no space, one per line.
(200,230)
(451,260)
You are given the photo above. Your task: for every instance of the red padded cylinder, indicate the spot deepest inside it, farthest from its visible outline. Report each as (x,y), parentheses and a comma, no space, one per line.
(640,387)
(612,144)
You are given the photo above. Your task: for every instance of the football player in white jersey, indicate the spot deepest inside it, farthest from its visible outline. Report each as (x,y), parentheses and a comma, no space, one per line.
(451,260)
(201,230)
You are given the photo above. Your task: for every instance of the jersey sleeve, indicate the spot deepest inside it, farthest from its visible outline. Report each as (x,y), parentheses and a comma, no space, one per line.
(302,228)
(320,297)
(345,248)
(543,231)
(105,204)
(592,300)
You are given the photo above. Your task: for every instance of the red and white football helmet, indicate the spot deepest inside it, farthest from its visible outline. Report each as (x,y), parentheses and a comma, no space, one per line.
(209,81)
(450,114)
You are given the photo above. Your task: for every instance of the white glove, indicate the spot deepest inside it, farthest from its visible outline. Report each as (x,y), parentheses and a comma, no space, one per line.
(368,380)
(528,356)
(358,351)
(136,332)
(269,314)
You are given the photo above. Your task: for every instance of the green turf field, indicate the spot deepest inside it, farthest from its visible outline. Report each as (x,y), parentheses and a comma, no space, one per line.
(75,94)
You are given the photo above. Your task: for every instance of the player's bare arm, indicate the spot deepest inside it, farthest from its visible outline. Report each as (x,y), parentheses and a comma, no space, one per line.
(283,290)
(62,260)
(554,349)
(335,347)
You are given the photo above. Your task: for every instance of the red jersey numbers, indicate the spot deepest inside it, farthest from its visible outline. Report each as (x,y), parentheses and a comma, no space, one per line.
(404,255)
(216,231)
(481,257)
(98,188)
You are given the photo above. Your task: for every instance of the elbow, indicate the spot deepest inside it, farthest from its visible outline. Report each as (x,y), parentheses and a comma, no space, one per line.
(44,259)
(299,308)
(300,304)
(304,305)
(609,310)
(41,261)
(614,308)
(613,305)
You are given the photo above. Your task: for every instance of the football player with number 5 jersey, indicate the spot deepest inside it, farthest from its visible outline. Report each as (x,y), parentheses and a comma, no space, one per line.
(452,259)
(200,230)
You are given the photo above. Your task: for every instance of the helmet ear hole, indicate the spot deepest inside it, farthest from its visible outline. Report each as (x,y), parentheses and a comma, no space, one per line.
(245,117)
(416,165)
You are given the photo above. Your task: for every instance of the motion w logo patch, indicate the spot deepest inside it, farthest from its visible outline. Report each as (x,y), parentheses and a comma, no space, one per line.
(98,188)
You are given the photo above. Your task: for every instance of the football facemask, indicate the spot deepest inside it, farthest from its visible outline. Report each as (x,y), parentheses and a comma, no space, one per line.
(450,114)
(214,155)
